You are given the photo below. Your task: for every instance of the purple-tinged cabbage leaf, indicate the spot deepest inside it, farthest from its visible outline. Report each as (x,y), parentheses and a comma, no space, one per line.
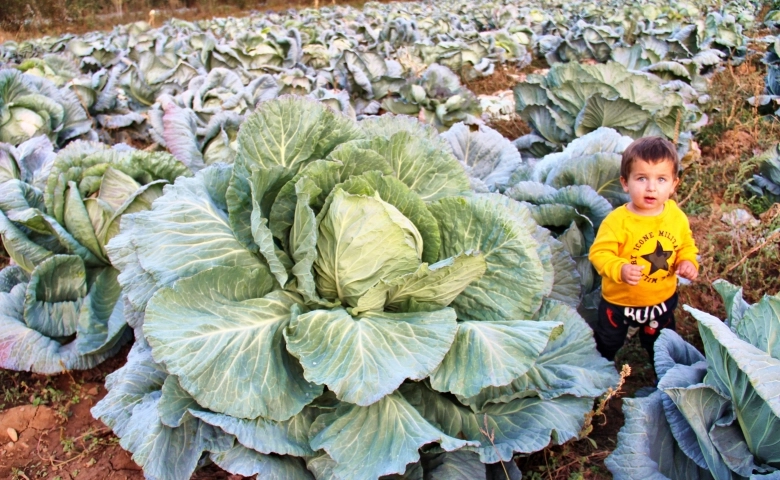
(721,415)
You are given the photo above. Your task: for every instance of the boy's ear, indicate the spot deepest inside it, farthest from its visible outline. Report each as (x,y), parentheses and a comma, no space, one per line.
(624,182)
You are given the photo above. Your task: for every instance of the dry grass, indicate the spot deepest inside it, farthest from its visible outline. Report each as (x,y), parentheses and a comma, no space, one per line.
(730,88)
(737,132)
(504,77)
(713,185)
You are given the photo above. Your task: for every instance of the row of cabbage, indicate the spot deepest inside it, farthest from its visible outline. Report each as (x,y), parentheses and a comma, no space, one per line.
(377,57)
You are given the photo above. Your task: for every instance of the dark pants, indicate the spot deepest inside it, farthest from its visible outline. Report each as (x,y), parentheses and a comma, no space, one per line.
(614,321)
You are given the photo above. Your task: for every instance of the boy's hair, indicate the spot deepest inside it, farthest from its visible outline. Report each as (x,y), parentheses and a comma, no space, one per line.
(649,149)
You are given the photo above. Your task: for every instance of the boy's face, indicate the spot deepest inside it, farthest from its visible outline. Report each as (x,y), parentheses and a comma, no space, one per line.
(649,185)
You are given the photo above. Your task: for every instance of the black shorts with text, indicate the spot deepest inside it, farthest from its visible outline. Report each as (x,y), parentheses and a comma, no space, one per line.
(614,321)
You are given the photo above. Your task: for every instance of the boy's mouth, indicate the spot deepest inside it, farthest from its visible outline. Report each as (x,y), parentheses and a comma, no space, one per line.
(649,199)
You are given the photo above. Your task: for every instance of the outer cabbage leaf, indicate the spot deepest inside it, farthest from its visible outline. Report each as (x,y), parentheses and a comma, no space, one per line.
(380,350)
(187,231)
(166,452)
(460,465)
(290,437)
(491,354)
(245,461)
(646,447)
(568,365)
(392,430)
(524,425)
(749,376)
(510,288)
(732,298)
(202,327)
(760,326)
(486,155)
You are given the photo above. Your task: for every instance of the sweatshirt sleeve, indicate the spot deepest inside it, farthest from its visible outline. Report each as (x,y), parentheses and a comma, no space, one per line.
(604,254)
(687,250)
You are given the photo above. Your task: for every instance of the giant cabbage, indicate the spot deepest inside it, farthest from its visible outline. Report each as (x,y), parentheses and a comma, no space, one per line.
(338,304)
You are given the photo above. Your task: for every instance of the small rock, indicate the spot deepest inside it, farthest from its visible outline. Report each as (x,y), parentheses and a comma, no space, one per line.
(92,391)
(12,434)
(9,446)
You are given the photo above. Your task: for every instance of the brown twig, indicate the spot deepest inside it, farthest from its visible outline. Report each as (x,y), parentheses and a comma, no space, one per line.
(690,194)
(587,427)
(770,238)
(546,465)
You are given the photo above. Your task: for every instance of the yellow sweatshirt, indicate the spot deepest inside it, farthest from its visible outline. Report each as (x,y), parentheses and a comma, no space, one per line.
(658,243)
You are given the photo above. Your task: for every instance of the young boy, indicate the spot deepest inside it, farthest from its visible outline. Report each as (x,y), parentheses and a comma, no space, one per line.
(640,249)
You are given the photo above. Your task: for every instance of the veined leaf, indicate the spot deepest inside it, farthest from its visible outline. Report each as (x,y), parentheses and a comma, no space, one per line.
(201,325)
(380,350)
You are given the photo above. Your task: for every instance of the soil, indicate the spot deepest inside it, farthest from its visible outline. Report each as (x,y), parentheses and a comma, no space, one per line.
(61,439)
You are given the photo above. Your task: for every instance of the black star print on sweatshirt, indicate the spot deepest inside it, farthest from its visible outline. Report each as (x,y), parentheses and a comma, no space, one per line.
(658,259)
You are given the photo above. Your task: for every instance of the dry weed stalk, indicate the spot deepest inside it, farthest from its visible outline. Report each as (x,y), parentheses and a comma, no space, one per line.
(587,427)
(491,435)
(677,127)
(690,194)
(770,239)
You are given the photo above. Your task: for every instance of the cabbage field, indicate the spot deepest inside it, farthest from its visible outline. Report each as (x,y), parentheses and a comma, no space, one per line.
(299,245)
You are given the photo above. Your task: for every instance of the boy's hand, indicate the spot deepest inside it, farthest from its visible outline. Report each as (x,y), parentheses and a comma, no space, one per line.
(631,274)
(687,270)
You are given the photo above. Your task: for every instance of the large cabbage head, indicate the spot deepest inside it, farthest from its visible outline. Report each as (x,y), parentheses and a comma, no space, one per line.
(436,98)
(32,106)
(714,417)
(60,301)
(337,299)
(573,99)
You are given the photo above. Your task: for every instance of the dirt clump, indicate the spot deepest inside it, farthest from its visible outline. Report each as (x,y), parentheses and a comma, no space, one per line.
(734,143)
